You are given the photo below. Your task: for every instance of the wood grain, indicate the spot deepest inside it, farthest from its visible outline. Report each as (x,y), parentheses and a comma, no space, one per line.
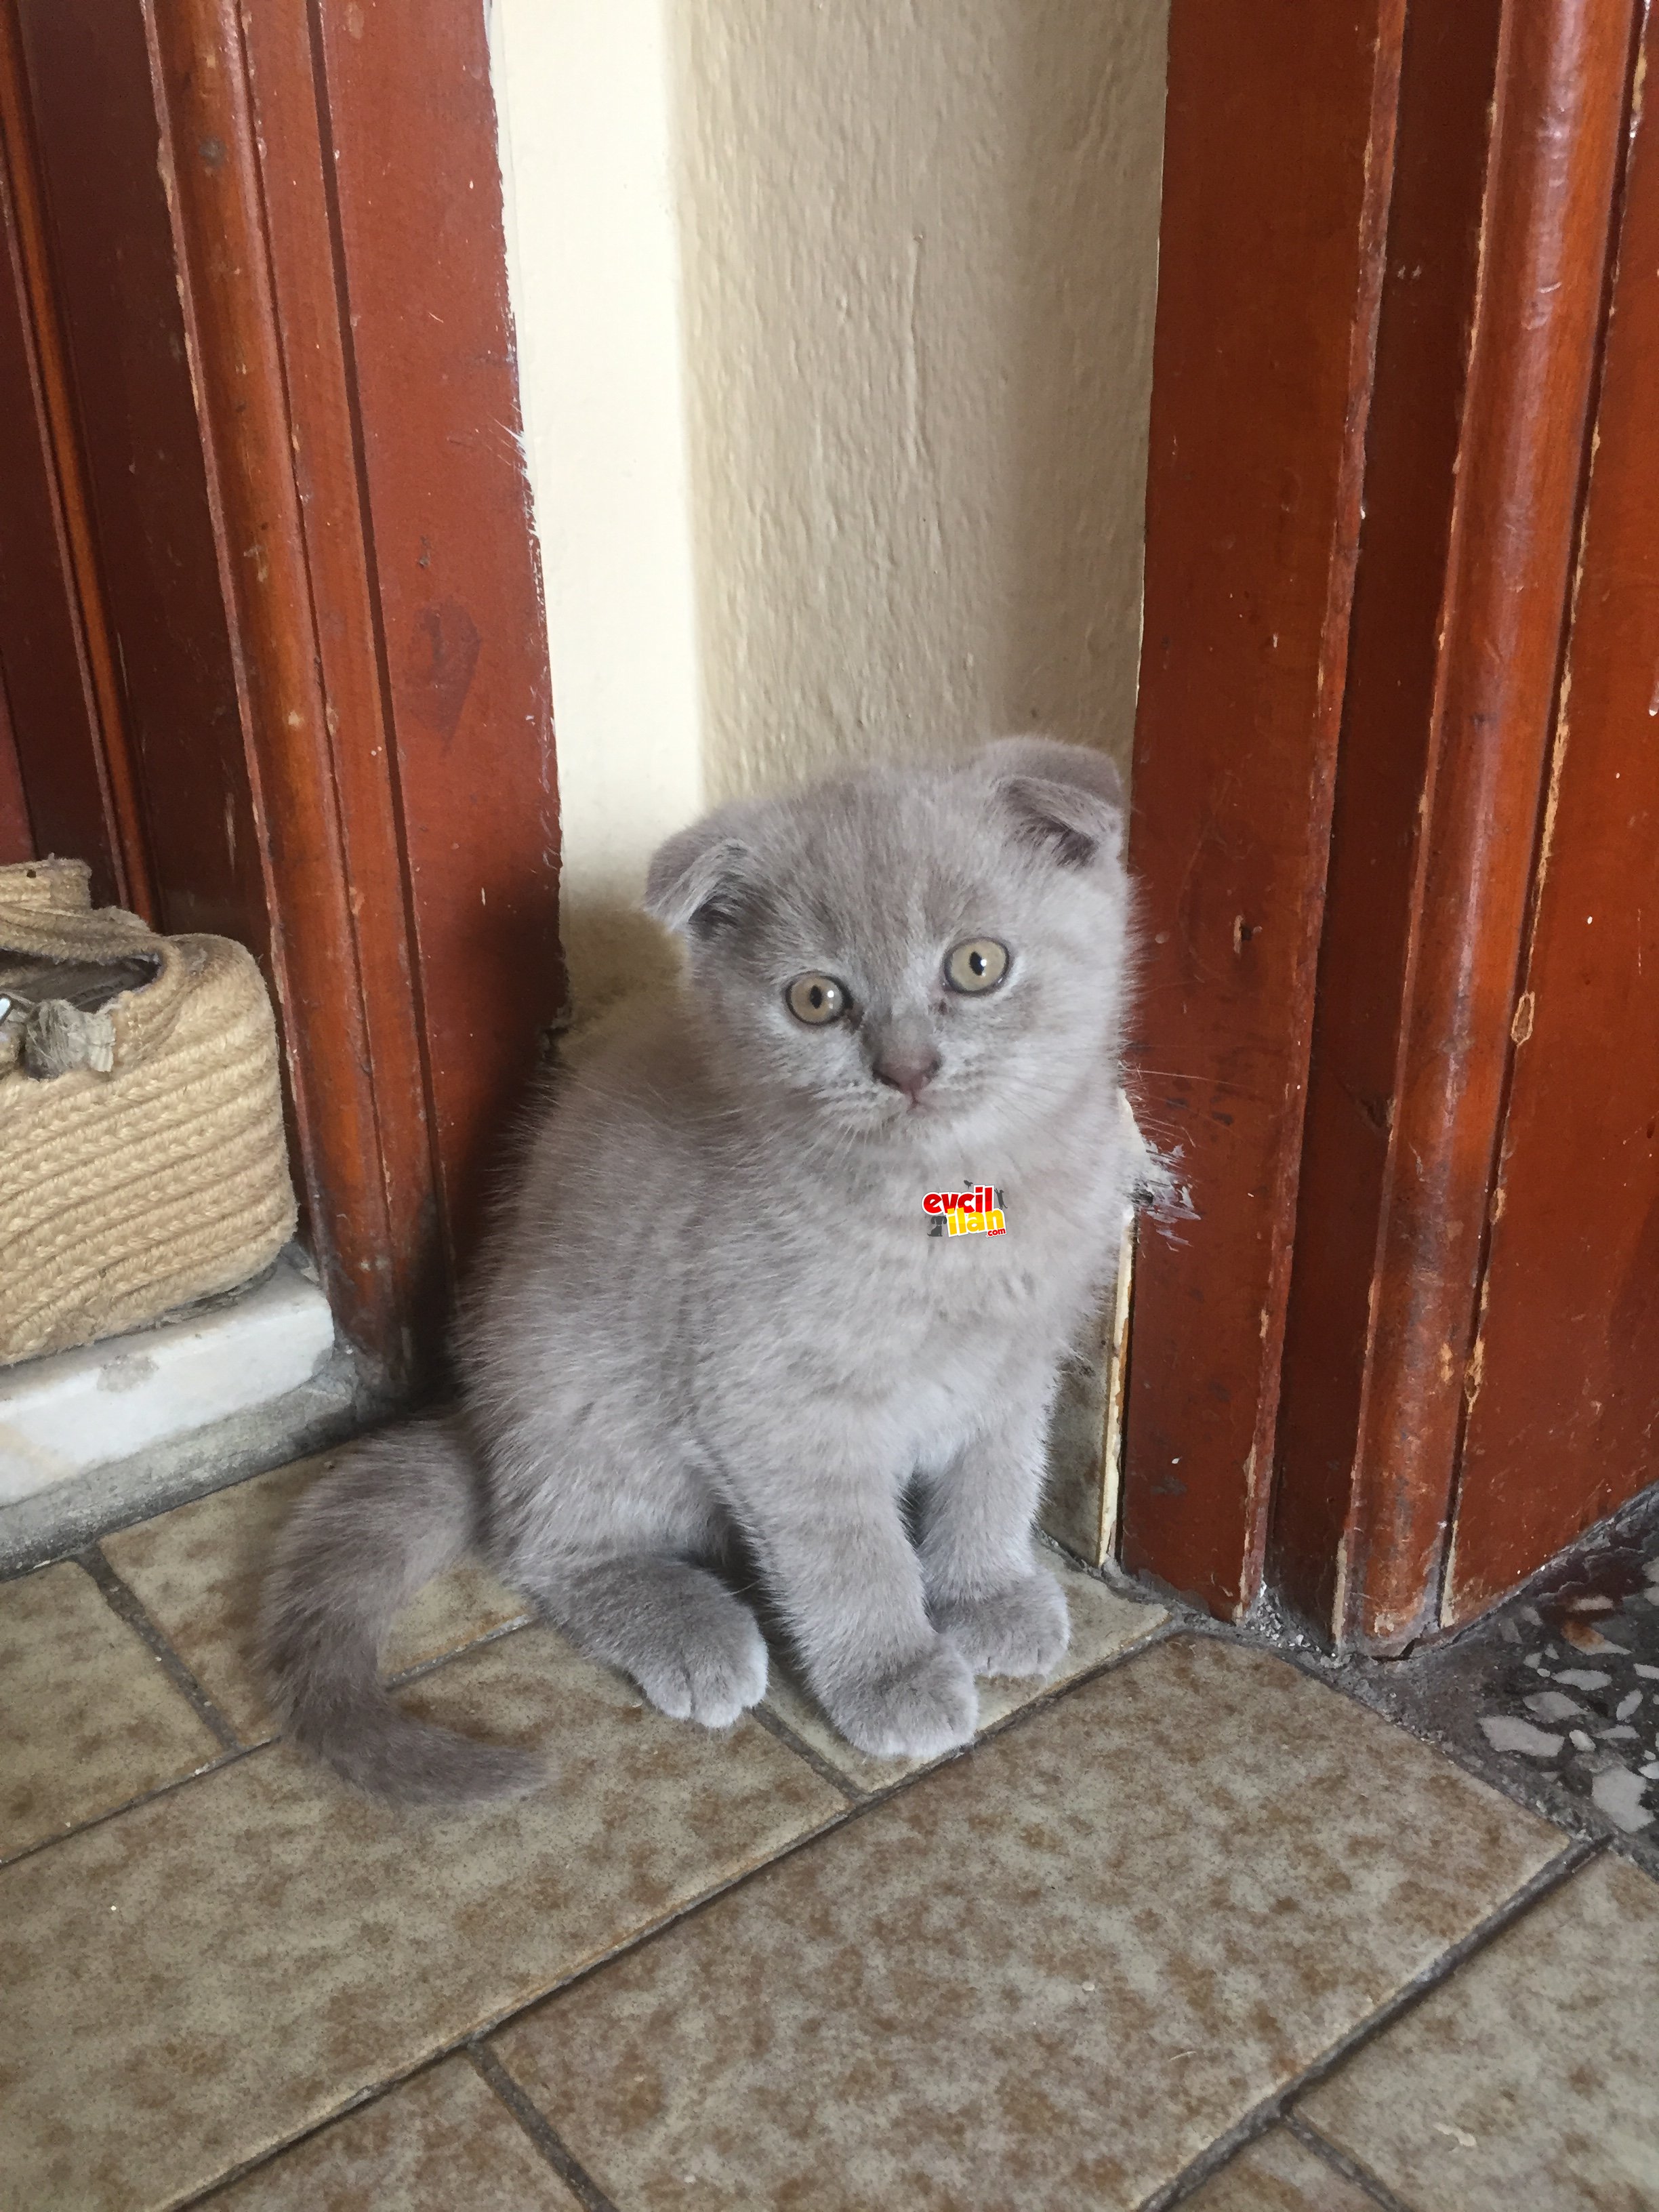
(60,665)
(1563,79)
(448,505)
(337,216)
(1417,414)
(211,166)
(97,141)
(1562,1424)
(1277,161)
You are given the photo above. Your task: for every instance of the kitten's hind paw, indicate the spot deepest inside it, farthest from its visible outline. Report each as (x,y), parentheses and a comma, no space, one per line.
(1023,1629)
(708,1665)
(694,1649)
(927,1708)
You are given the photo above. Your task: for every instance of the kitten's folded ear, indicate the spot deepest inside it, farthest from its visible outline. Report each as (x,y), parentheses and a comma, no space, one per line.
(1068,799)
(703,879)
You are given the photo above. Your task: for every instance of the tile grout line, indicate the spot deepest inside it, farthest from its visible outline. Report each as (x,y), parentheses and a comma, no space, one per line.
(540,2130)
(220,1766)
(843,1817)
(775,1725)
(125,1604)
(485,2064)
(862,1803)
(128,1609)
(1576,1817)
(459,2045)
(1554,1874)
(863,1799)
(422,1667)
(235,1750)
(1343,2162)
(1040,1701)
(477,2039)
(356,2103)
(860,1800)
(475,2043)
(371,2092)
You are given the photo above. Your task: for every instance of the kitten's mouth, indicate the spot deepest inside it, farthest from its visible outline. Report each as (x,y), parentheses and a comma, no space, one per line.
(908,1114)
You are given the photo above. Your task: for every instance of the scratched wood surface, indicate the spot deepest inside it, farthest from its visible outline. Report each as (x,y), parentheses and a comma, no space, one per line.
(1472,491)
(1564,83)
(1563,1393)
(1448,70)
(464,639)
(337,216)
(1276,160)
(16,835)
(211,158)
(1340,754)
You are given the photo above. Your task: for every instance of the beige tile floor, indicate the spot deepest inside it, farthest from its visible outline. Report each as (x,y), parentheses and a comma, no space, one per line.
(1185,1927)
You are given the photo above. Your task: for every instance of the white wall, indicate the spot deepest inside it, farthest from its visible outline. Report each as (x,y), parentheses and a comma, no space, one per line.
(582,96)
(835,331)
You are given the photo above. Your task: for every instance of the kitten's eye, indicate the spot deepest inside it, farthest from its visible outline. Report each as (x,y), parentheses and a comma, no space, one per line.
(980,964)
(815,999)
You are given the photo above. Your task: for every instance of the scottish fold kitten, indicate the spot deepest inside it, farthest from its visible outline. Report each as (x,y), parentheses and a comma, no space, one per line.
(729,1301)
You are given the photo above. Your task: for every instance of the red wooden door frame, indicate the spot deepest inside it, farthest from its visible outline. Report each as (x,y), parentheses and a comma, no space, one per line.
(1277,154)
(1573,1239)
(1382,288)
(352,769)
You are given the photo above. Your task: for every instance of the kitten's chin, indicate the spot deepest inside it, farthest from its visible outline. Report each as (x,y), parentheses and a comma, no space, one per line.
(923,1127)
(891,1128)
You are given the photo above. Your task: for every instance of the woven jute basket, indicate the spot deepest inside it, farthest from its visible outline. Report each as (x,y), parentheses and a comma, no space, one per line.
(157,1174)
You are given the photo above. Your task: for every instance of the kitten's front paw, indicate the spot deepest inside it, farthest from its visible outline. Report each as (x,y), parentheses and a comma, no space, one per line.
(707,1664)
(1023,1629)
(927,1708)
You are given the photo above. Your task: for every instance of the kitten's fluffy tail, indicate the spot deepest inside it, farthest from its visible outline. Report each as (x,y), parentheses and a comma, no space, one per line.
(395,1511)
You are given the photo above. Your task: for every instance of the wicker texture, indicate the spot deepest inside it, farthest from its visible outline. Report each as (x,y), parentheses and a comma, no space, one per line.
(126,1194)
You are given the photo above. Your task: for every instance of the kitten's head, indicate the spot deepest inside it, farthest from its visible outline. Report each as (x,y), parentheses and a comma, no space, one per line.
(911,955)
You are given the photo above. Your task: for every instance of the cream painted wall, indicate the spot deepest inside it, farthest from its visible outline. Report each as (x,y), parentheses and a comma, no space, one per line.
(834,320)
(919,260)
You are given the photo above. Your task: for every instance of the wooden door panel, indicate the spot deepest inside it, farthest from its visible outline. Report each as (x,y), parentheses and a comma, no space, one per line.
(1279,132)
(114,285)
(1562,1423)
(1433,255)
(1562,83)
(56,655)
(53,721)
(1299,1350)
(425,269)
(1564,93)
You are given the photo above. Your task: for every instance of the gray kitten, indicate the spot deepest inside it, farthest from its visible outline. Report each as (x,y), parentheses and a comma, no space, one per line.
(720,1312)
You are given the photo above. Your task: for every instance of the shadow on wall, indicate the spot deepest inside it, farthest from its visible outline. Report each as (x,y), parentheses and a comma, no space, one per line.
(919,264)
(1091,96)
(614,951)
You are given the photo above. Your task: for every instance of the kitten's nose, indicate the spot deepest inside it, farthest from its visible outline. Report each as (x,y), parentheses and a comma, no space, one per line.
(910,1072)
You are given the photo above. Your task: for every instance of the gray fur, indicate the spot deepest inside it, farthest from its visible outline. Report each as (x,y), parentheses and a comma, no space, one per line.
(713,1316)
